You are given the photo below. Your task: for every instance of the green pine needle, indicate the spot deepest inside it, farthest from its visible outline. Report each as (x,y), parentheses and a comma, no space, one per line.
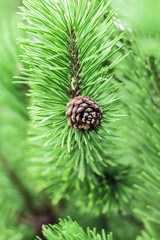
(69,230)
(48,57)
(141,133)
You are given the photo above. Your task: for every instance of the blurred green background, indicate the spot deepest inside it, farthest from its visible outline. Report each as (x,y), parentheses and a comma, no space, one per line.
(140,17)
(143,18)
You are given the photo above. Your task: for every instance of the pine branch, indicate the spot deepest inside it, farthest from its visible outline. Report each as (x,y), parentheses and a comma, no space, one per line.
(105,192)
(18,184)
(140,93)
(69,230)
(66,40)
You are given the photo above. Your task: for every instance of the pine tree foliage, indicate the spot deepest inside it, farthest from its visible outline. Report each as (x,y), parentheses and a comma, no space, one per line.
(11,228)
(13,124)
(50,27)
(96,170)
(69,230)
(108,192)
(18,191)
(12,101)
(51,61)
(142,103)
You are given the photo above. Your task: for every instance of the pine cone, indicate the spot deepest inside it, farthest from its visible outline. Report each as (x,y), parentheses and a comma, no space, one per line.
(83,113)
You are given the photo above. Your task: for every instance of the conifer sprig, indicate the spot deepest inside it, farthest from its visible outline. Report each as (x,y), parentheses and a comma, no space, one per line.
(70,230)
(90,44)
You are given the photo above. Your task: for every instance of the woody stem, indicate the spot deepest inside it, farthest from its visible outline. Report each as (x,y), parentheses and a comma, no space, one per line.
(74,64)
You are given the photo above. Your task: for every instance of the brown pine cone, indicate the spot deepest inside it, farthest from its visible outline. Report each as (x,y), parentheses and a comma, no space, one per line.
(83,113)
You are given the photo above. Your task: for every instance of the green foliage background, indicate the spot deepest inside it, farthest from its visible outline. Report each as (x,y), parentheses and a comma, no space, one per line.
(107,179)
